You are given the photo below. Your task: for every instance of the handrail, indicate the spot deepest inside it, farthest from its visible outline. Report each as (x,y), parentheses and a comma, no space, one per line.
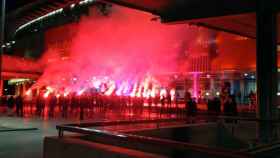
(248,119)
(81,129)
(124,122)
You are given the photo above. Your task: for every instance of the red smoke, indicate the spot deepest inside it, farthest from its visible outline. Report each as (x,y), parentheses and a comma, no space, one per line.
(125,46)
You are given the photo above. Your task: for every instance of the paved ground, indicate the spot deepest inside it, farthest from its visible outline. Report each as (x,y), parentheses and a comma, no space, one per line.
(29,143)
(24,144)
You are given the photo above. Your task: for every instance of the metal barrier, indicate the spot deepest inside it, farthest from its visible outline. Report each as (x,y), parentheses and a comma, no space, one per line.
(81,129)
(62,128)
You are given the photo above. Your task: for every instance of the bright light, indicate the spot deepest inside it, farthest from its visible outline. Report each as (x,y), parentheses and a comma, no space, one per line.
(72,6)
(18,80)
(207,93)
(110,90)
(217,93)
(40,18)
(65,94)
(28,92)
(163,93)
(81,92)
(50,89)
(96,84)
(172,93)
(46,94)
(245,74)
(133,93)
(278,93)
(58,95)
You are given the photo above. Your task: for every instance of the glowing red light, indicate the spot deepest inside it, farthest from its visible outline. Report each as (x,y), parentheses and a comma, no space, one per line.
(46,94)
(28,92)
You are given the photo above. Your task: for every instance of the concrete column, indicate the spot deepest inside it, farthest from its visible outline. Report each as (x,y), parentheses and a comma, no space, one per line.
(195,85)
(266,68)
(1,87)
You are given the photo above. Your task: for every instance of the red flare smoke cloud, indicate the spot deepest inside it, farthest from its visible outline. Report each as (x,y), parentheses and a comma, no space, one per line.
(119,51)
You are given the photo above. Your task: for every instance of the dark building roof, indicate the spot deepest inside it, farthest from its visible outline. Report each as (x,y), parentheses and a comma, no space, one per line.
(234,16)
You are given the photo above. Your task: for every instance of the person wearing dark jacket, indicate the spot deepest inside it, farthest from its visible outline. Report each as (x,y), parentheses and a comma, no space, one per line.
(52,104)
(192,109)
(230,107)
(10,104)
(217,105)
(19,106)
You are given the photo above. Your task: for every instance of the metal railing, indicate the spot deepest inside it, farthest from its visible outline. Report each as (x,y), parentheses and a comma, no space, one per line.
(170,144)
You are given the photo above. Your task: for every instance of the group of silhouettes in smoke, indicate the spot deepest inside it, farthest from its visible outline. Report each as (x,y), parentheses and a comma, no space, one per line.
(11,102)
(73,103)
(86,101)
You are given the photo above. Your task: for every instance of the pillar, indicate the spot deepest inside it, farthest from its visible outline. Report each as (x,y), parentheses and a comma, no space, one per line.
(195,85)
(1,87)
(266,68)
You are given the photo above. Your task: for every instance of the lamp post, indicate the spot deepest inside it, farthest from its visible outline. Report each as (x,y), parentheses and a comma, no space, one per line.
(2,39)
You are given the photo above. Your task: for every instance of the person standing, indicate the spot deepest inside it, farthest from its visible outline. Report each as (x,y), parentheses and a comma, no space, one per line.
(217,105)
(252,101)
(64,106)
(162,103)
(169,102)
(187,98)
(192,109)
(230,109)
(19,106)
(10,104)
(52,104)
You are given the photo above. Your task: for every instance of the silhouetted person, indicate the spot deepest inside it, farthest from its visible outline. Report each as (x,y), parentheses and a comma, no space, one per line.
(19,105)
(64,106)
(156,101)
(4,100)
(40,105)
(217,105)
(150,102)
(10,104)
(52,104)
(192,110)
(239,96)
(252,100)
(169,99)
(162,103)
(210,106)
(187,98)
(230,107)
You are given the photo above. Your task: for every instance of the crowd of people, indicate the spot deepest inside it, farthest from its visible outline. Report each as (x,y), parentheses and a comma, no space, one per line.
(88,101)
(80,104)
(14,102)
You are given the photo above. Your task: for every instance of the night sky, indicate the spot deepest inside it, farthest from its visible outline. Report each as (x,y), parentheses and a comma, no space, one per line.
(14,4)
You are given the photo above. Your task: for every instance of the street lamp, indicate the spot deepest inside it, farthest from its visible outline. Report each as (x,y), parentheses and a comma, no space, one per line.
(2,39)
